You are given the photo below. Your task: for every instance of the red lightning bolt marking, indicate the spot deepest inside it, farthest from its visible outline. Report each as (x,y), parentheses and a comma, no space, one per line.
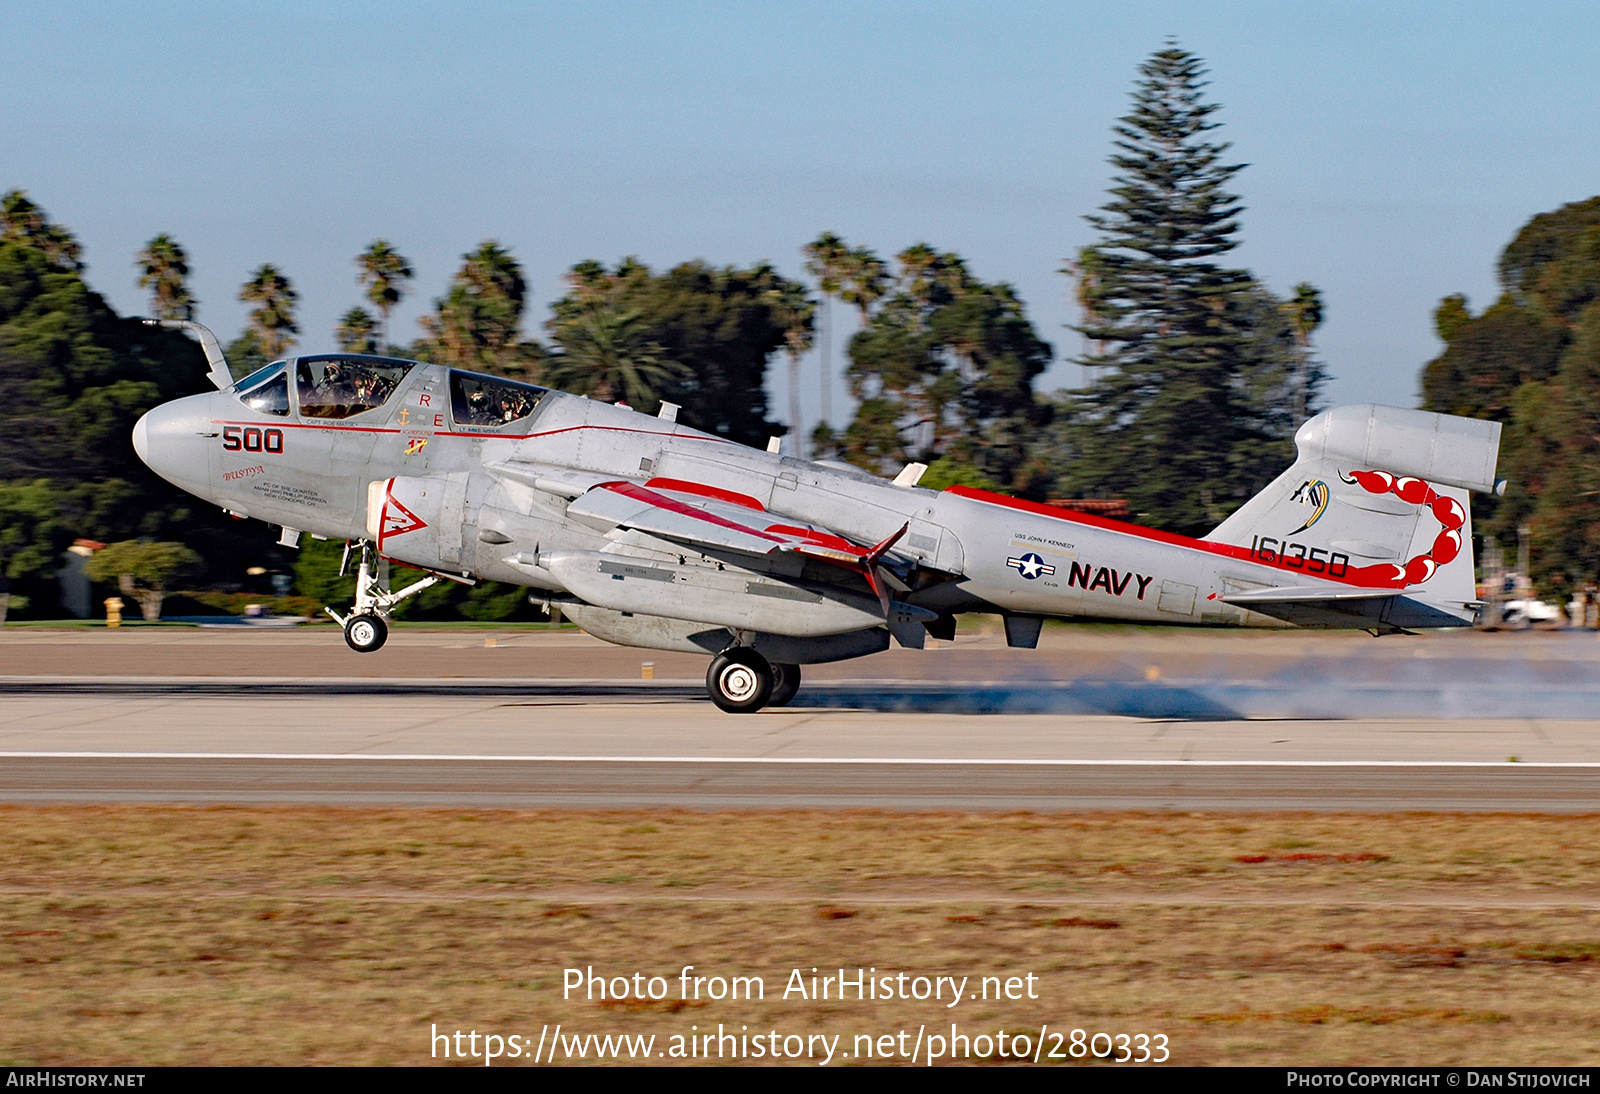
(409,522)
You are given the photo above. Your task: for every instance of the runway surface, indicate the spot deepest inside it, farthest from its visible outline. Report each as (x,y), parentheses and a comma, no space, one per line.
(1094,720)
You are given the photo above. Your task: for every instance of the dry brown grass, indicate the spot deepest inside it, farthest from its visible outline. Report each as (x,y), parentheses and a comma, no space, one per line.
(144,935)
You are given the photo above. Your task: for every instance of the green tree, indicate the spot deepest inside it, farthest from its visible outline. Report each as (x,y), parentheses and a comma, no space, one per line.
(827,260)
(385,273)
(1180,418)
(164,270)
(719,325)
(74,377)
(32,537)
(797,312)
(944,368)
(864,281)
(272,319)
(357,332)
(1531,361)
(1450,316)
(1305,314)
(609,354)
(244,354)
(1084,269)
(24,223)
(143,570)
(947,471)
(477,323)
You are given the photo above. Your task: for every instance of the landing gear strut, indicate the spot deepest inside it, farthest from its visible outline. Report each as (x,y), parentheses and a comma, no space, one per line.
(366,627)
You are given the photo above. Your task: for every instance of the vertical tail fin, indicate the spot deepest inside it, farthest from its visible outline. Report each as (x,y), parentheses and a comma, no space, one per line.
(1380,494)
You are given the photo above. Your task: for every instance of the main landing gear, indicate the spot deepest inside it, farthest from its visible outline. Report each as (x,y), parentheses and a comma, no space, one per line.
(366,628)
(741,681)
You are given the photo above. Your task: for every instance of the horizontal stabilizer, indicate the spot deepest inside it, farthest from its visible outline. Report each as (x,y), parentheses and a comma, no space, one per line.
(1379,609)
(1307,593)
(1441,448)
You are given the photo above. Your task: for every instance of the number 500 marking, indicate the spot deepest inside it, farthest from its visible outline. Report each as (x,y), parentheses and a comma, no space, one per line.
(252,439)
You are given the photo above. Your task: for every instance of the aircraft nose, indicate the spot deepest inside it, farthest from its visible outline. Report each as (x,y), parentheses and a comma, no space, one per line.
(141,437)
(170,440)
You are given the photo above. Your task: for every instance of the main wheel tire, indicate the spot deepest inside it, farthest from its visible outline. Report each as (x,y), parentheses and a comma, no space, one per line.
(365,633)
(785,682)
(739,680)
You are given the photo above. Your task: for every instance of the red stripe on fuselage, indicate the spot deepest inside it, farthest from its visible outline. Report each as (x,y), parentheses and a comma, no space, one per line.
(651,497)
(821,539)
(661,501)
(1355,576)
(683,486)
(448,433)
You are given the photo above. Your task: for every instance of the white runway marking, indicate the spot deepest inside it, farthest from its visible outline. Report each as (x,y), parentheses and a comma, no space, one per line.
(778,760)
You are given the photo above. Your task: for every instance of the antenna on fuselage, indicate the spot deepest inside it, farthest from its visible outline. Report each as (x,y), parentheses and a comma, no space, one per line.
(220,374)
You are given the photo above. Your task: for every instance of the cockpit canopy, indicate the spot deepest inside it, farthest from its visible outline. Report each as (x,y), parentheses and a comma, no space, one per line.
(334,386)
(266,390)
(489,402)
(340,385)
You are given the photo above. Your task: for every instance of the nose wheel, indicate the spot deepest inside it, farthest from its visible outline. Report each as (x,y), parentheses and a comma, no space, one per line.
(739,680)
(365,633)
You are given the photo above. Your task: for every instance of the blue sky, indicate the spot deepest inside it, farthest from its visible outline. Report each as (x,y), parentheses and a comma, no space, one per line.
(1393,149)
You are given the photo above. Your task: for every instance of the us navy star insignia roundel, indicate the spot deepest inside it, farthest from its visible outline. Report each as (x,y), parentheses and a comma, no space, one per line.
(1030,566)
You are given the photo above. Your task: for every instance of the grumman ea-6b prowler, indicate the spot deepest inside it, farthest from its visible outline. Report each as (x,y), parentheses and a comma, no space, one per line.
(647,533)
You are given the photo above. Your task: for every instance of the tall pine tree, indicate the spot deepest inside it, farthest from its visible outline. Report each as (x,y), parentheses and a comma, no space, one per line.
(1182,417)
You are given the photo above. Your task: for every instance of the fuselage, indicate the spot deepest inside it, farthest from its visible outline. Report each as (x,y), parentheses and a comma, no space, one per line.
(283,449)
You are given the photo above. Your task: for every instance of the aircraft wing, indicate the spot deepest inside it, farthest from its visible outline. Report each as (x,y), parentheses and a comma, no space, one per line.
(707,517)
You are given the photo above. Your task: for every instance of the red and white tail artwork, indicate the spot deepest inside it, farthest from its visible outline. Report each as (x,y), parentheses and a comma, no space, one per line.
(1381,493)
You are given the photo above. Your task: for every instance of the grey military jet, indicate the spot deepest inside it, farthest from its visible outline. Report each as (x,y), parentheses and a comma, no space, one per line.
(648,533)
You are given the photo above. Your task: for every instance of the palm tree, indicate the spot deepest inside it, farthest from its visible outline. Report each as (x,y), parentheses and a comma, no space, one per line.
(1086,271)
(610,355)
(865,281)
(357,331)
(827,259)
(476,324)
(795,311)
(1304,311)
(164,270)
(385,273)
(272,318)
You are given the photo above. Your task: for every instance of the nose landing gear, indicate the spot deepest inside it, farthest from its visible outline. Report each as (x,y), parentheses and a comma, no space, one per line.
(366,628)
(365,633)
